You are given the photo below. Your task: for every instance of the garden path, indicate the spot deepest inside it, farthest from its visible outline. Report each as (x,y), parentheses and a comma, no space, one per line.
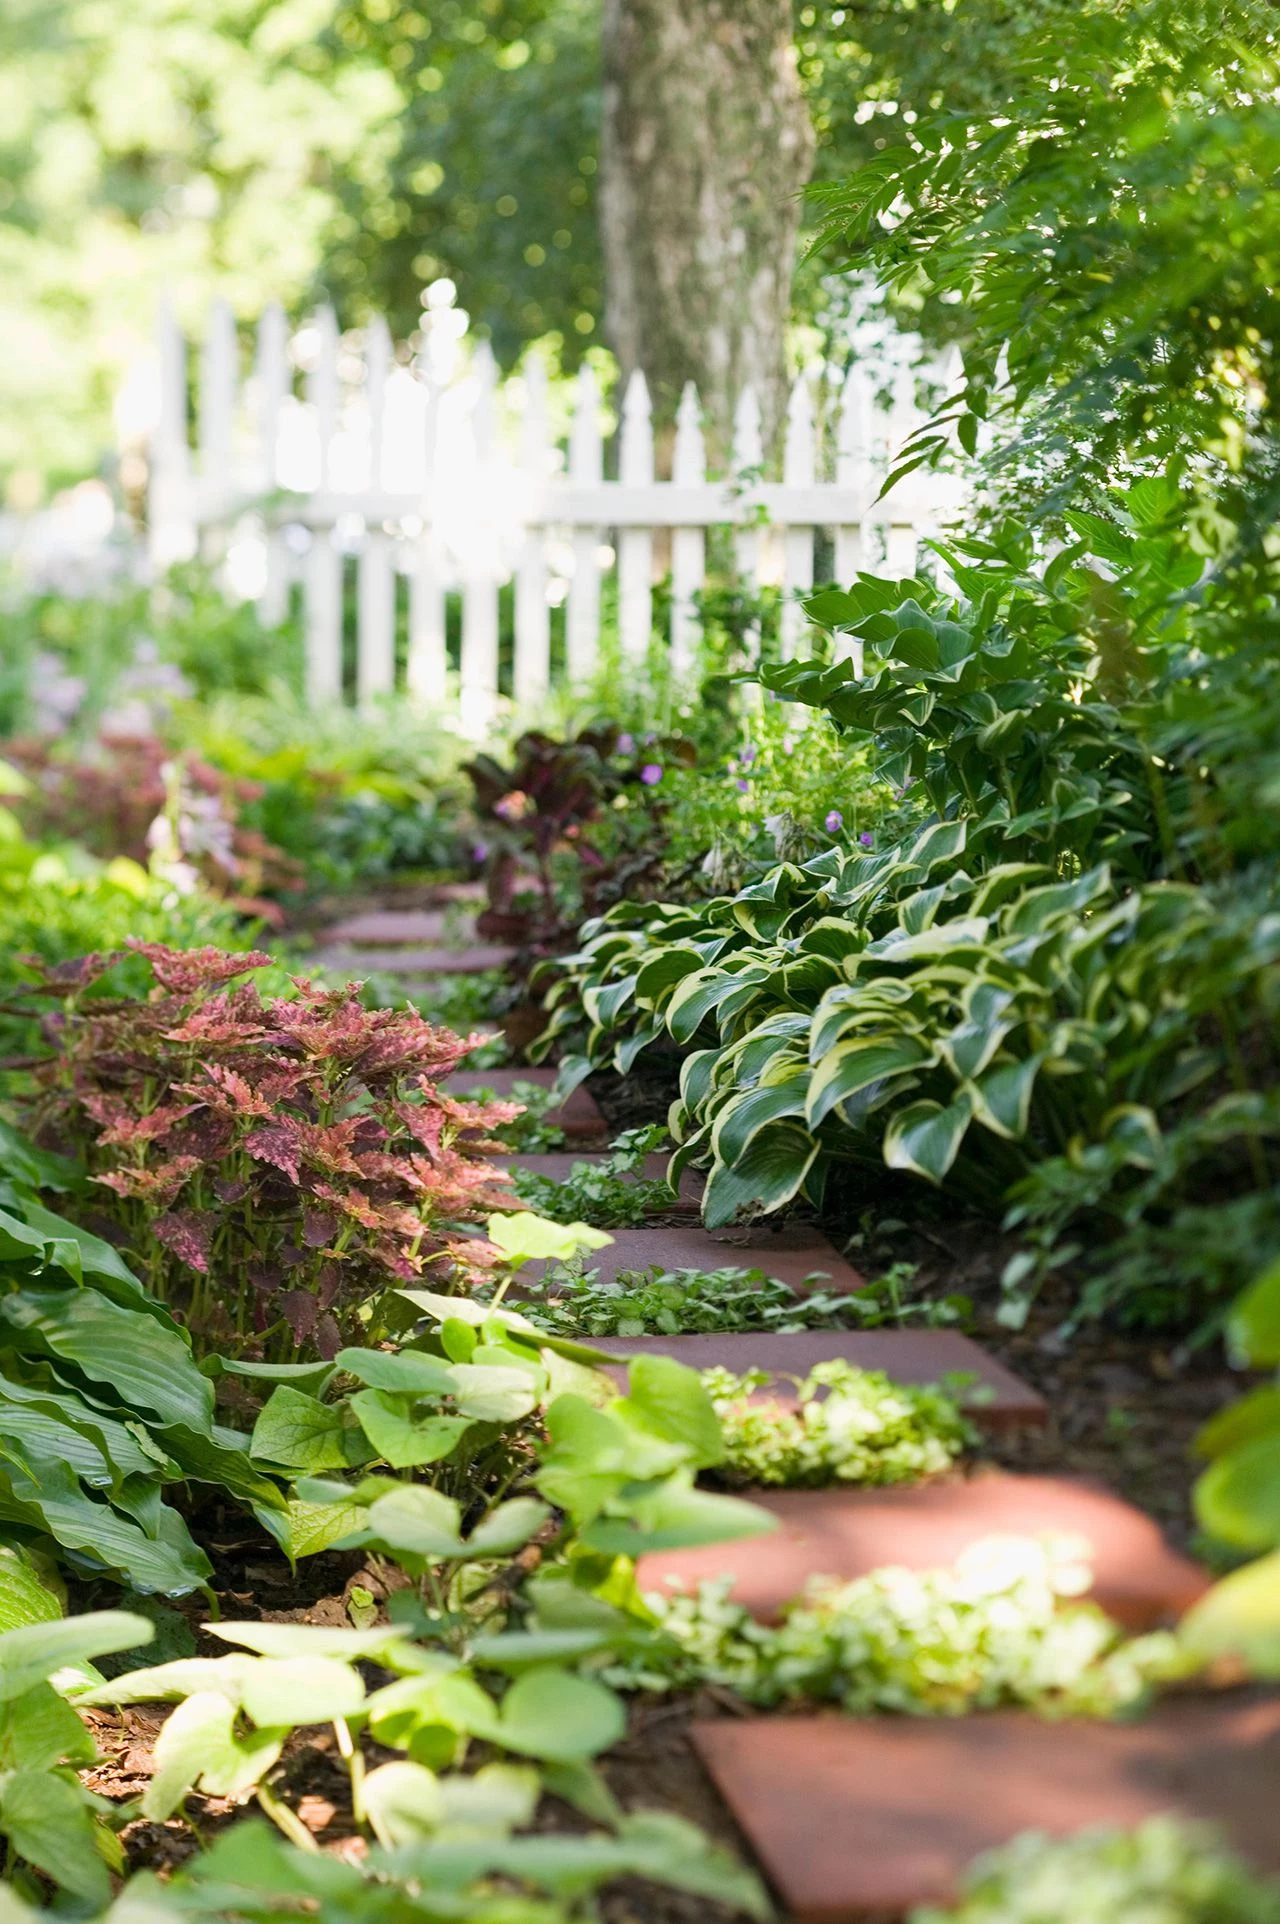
(855,1818)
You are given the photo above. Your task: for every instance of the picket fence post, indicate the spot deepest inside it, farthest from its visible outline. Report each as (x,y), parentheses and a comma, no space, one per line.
(404,468)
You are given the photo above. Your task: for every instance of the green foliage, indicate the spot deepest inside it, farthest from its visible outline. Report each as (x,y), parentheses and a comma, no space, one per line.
(439,1832)
(864,1429)
(49,1821)
(103,1411)
(527,1131)
(1001,1627)
(609,1193)
(1163,1868)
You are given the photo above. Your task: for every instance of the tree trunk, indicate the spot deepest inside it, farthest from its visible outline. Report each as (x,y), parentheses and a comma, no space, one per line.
(705,146)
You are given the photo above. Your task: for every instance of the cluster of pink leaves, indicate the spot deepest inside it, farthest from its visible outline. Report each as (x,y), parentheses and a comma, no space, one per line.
(296,1152)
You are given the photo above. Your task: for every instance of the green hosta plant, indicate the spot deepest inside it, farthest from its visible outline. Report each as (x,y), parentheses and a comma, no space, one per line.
(103,1411)
(1003,1626)
(434,1835)
(865,1429)
(1166,1869)
(49,1822)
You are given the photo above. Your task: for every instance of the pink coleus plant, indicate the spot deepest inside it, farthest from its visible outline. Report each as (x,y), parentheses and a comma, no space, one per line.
(271,1164)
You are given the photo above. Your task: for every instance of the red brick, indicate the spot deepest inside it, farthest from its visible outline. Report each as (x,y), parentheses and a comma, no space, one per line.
(847,1533)
(907,1355)
(395,928)
(419,963)
(854,1819)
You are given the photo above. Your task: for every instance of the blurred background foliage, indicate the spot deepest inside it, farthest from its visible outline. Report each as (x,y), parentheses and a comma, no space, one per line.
(289,149)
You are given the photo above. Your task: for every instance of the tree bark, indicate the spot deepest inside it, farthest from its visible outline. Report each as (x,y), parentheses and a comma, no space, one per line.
(705,146)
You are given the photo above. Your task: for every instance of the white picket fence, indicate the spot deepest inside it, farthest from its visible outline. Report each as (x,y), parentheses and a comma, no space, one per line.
(403,466)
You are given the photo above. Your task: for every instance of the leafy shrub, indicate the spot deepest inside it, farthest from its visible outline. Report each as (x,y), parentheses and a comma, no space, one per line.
(274,1162)
(1164,1868)
(865,1429)
(1000,1627)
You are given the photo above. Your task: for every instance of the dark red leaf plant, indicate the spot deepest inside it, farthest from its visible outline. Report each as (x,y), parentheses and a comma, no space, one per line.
(273,1164)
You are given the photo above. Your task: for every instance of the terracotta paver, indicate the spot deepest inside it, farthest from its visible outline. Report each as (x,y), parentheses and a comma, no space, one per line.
(578,1115)
(394,928)
(420,963)
(856,1818)
(907,1355)
(559,1167)
(792,1255)
(847,1533)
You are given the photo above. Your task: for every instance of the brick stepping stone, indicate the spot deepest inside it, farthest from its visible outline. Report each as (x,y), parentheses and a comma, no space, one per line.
(419,963)
(859,1818)
(906,1355)
(578,1115)
(559,1167)
(847,1533)
(394,928)
(791,1255)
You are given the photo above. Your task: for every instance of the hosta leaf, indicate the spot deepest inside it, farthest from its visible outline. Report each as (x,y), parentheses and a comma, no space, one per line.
(770,1173)
(1034,911)
(742,1120)
(26,1596)
(1002,1097)
(855,1065)
(694,1000)
(148,1368)
(925,1138)
(48,1494)
(662,970)
(941,842)
(552,1713)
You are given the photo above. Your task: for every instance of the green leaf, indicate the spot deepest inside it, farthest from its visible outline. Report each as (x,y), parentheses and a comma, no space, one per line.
(49,1822)
(770,1173)
(1238,1497)
(403,1802)
(35,1652)
(853,1066)
(1254,1415)
(300,1690)
(420,1521)
(552,1713)
(1240,1618)
(508,1528)
(400,1438)
(676,1517)
(300,1433)
(671,1400)
(304,1529)
(406,1372)
(1002,1097)
(147,1368)
(25,1595)
(741,1121)
(197,1745)
(1253,1328)
(494,1395)
(925,1138)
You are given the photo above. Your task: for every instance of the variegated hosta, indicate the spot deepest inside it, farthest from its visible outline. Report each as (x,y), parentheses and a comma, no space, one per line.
(274,1161)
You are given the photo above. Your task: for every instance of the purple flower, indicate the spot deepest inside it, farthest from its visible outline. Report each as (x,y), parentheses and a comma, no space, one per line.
(626,744)
(651,774)
(834,822)
(747,755)
(866,838)
(480,853)
(744,788)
